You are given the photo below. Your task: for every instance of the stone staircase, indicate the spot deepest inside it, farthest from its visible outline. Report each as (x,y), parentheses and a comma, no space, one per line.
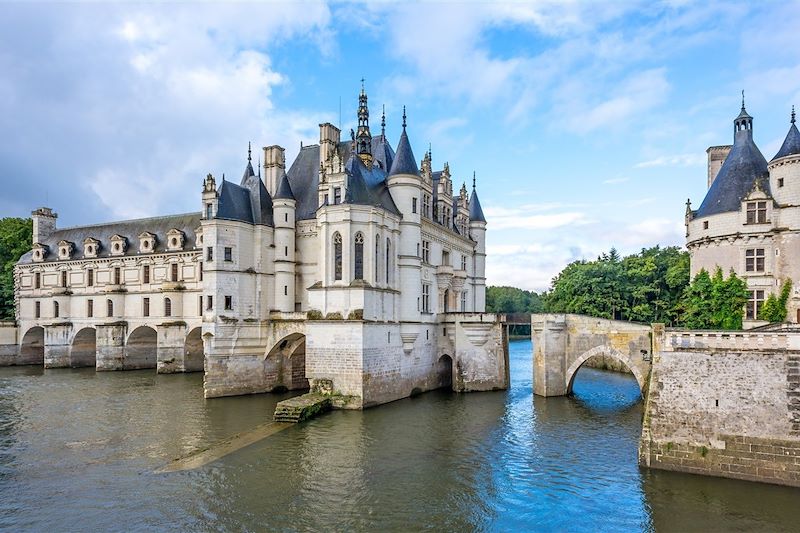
(302,408)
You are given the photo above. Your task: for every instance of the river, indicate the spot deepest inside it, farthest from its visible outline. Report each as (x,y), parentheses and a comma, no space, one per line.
(80,450)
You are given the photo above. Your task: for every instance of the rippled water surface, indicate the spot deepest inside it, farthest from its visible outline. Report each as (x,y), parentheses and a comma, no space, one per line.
(79,450)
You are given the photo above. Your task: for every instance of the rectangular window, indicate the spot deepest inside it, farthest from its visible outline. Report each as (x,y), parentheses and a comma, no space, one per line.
(146,274)
(210,253)
(337,195)
(780,182)
(325,202)
(445,257)
(229,303)
(174,271)
(228,254)
(754,304)
(200,271)
(286,290)
(426,206)
(38,309)
(37,281)
(117,276)
(55,309)
(413,205)
(90,308)
(705,224)
(463,301)
(286,251)
(754,260)
(200,305)
(756,212)
(209,303)
(64,280)
(145,306)
(109,308)
(167,307)
(426,298)
(209,210)
(90,278)
(464,262)
(426,251)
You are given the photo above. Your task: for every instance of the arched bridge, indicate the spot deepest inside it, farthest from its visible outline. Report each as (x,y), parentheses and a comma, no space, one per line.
(564,342)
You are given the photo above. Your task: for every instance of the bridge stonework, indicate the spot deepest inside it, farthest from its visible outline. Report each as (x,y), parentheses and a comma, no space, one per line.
(564,342)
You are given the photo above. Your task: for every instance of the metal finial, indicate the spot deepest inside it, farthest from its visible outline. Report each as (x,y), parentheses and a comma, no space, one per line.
(792,114)
(259,165)
(249,158)
(404,117)
(742,99)
(362,85)
(430,151)
(473,180)
(383,120)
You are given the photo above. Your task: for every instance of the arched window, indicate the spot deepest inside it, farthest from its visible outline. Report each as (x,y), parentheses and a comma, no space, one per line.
(55,309)
(110,307)
(359,256)
(377,256)
(167,307)
(388,262)
(337,256)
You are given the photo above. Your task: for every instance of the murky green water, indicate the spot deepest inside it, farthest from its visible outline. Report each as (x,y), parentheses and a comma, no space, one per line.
(79,450)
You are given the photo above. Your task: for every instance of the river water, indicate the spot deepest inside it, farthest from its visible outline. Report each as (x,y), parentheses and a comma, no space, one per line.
(79,451)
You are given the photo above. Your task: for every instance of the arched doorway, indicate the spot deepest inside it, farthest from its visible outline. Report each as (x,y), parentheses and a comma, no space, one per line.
(444,372)
(286,362)
(193,357)
(83,351)
(31,349)
(609,353)
(140,350)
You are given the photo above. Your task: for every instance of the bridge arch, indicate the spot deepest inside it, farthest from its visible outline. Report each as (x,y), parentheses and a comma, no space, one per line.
(287,360)
(83,350)
(193,355)
(444,372)
(31,349)
(141,348)
(608,352)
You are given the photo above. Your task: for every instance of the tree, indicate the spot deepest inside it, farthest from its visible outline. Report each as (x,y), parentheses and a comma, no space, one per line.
(714,302)
(774,308)
(15,239)
(512,300)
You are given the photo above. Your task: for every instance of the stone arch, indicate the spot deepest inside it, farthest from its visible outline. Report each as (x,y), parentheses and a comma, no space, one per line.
(83,351)
(608,352)
(193,355)
(31,349)
(140,349)
(444,372)
(286,362)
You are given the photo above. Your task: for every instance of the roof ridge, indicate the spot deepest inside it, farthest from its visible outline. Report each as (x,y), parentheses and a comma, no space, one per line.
(112,223)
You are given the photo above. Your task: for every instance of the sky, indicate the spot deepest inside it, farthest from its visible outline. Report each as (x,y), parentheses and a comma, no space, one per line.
(586,123)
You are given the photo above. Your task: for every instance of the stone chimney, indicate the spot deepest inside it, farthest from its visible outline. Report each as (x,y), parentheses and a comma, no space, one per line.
(716,156)
(328,141)
(274,167)
(44,224)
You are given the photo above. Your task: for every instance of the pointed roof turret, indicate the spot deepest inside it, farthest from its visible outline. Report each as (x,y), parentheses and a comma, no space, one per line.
(284,191)
(791,145)
(404,162)
(248,170)
(363,135)
(475,211)
(738,174)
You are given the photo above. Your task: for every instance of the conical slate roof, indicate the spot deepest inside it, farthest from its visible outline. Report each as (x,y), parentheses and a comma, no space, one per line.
(791,145)
(404,162)
(284,189)
(475,211)
(742,168)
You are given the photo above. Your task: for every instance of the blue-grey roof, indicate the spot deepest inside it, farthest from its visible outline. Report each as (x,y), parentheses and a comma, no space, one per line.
(303,177)
(475,211)
(260,200)
(234,203)
(284,189)
(741,169)
(791,145)
(130,229)
(404,162)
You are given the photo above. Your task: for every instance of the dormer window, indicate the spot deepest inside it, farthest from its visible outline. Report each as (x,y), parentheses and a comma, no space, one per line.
(175,240)
(90,247)
(198,237)
(757,212)
(147,243)
(118,245)
(65,249)
(39,252)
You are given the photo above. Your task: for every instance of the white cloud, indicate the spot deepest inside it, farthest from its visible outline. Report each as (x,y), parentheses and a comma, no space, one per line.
(680,160)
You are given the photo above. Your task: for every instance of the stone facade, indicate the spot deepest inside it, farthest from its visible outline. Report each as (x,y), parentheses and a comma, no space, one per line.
(749,221)
(725,404)
(354,267)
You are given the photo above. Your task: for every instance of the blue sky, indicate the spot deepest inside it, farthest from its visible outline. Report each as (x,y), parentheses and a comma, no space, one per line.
(585,122)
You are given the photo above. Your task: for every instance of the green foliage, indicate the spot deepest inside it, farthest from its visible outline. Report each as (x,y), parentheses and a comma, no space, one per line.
(15,239)
(512,300)
(714,302)
(774,308)
(644,287)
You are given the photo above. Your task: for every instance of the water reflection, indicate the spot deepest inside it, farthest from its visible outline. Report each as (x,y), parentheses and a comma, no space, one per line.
(78,450)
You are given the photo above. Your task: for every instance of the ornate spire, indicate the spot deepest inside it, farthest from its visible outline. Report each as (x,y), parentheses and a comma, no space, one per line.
(404,117)
(792,121)
(383,121)
(742,99)
(473,180)
(364,143)
(249,157)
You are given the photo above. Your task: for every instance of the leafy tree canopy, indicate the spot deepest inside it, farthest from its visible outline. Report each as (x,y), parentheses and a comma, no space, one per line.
(15,240)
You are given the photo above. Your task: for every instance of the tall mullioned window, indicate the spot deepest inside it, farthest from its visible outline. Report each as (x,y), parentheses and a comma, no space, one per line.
(337,256)
(55,310)
(109,308)
(377,256)
(117,276)
(90,278)
(426,298)
(426,251)
(358,259)
(64,278)
(146,274)
(756,212)
(754,260)
(463,301)
(754,304)
(37,280)
(426,206)
(89,308)
(464,262)
(167,307)
(388,260)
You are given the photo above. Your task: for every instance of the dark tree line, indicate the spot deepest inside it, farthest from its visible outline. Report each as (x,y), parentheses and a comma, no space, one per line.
(15,240)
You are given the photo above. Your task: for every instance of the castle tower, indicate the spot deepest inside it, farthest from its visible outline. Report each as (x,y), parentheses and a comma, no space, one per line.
(44,224)
(284,206)
(477,230)
(363,135)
